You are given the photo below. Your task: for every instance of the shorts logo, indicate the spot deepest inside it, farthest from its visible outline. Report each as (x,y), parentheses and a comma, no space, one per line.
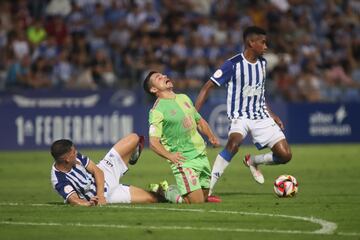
(218,73)
(109,163)
(191,175)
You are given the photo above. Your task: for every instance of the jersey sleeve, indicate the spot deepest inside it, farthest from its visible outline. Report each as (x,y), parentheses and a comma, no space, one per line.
(155,123)
(83,159)
(223,75)
(65,189)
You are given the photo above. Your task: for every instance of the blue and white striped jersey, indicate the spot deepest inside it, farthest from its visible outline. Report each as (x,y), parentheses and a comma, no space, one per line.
(78,180)
(245,87)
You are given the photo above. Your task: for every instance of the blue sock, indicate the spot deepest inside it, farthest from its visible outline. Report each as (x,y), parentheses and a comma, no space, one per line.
(226,155)
(277,160)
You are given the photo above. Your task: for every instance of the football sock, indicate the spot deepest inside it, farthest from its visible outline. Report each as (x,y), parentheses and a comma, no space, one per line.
(172,194)
(135,156)
(266,158)
(221,162)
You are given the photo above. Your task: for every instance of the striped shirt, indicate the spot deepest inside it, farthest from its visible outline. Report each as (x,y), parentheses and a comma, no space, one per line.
(245,87)
(78,180)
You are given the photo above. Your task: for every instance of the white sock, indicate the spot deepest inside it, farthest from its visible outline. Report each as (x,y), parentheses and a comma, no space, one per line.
(219,166)
(266,158)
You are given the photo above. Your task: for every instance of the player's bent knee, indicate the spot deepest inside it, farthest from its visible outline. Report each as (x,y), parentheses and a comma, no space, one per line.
(195,197)
(285,158)
(133,137)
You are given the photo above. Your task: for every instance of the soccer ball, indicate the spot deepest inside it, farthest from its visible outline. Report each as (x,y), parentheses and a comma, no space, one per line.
(285,186)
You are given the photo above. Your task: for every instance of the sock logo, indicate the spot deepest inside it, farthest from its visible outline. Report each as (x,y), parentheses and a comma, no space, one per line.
(216,174)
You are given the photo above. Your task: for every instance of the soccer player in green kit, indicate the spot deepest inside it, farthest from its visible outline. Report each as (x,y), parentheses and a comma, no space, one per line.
(174,124)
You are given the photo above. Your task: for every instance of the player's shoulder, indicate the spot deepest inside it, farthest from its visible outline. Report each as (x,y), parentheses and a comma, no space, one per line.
(234,59)
(57,176)
(183,96)
(156,104)
(157,108)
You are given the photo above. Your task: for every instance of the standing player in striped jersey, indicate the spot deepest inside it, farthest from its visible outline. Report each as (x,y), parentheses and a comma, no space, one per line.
(173,131)
(80,182)
(244,74)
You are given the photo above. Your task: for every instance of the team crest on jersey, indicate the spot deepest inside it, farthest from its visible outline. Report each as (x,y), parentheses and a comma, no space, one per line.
(68,189)
(187,105)
(218,73)
(187,122)
(173,112)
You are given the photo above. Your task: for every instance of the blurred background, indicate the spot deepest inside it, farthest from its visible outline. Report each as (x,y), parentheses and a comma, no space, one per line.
(73,68)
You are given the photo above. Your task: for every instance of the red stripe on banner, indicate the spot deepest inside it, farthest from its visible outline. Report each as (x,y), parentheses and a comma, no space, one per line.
(181,170)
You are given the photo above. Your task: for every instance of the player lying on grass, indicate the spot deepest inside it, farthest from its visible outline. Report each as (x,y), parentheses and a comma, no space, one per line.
(81,182)
(174,124)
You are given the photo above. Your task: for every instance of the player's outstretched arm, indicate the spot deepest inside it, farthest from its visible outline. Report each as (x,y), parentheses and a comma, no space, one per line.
(157,147)
(99,181)
(74,199)
(205,129)
(275,117)
(204,92)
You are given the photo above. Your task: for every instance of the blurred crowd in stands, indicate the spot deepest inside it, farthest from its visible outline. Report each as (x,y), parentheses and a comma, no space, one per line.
(314,45)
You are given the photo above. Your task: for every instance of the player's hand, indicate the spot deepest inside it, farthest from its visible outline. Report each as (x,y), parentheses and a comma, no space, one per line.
(177,158)
(101,200)
(214,141)
(278,122)
(93,201)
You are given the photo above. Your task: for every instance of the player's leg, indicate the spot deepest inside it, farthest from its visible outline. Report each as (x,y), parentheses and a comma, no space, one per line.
(266,133)
(205,192)
(127,146)
(170,193)
(281,152)
(131,194)
(188,183)
(224,158)
(115,163)
(203,167)
(196,196)
(139,195)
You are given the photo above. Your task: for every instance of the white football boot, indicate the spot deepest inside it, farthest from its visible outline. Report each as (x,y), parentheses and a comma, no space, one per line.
(255,171)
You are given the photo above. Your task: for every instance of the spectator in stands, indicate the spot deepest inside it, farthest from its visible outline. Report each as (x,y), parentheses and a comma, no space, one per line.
(142,34)
(20,45)
(62,73)
(40,74)
(310,83)
(36,33)
(18,74)
(102,70)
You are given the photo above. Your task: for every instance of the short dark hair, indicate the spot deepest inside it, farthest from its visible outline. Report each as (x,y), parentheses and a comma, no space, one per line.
(253,30)
(59,148)
(146,83)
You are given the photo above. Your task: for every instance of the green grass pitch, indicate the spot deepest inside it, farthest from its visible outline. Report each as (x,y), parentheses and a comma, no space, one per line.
(326,207)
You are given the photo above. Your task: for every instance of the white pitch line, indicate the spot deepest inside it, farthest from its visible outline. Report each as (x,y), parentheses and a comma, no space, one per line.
(120,226)
(327,227)
(348,233)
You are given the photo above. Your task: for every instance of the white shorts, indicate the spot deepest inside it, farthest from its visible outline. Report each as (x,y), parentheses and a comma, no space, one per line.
(264,132)
(114,168)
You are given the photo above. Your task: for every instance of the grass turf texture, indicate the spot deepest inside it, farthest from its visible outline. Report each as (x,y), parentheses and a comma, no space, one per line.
(328,177)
